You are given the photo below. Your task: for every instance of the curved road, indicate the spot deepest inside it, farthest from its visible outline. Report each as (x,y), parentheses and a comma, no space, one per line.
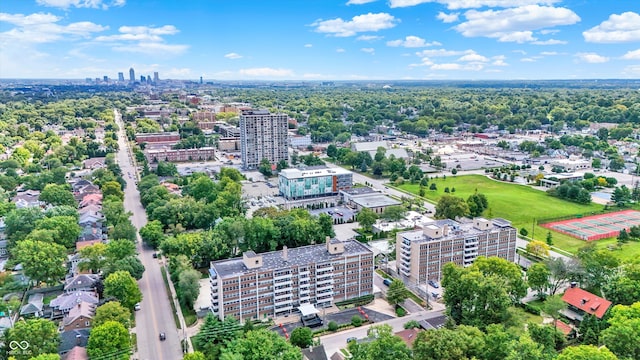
(156,315)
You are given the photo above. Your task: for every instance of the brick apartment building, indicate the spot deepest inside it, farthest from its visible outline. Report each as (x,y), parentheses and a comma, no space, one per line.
(421,254)
(180,155)
(276,283)
(158,137)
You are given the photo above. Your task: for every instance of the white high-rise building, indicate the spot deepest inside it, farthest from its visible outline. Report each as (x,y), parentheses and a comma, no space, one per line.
(263,136)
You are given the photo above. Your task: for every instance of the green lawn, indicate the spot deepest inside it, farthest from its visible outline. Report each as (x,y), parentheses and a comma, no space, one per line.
(521,205)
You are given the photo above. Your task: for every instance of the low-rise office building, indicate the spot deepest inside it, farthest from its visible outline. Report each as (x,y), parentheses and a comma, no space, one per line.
(296,184)
(367,198)
(422,254)
(276,283)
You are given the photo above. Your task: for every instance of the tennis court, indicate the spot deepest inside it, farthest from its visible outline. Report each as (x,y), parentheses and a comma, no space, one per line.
(598,226)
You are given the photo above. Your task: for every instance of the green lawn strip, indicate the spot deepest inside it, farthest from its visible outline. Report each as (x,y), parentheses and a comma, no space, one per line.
(173,307)
(189,315)
(521,205)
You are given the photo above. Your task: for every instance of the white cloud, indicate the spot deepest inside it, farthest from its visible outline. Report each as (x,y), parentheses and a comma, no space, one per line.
(96,4)
(443,53)
(233,56)
(360,23)
(499,60)
(308,45)
(592,58)
(473,58)
(632,55)
(549,31)
(549,42)
(456,66)
(266,72)
(340,50)
(316,76)
(468,4)
(549,53)
(371,51)
(44,28)
(520,52)
(528,60)
(412,42)
(359,2)
(145,40)
(448,18)
(368,37)
(633,70)
(514,24)
(425,61)
(618,28)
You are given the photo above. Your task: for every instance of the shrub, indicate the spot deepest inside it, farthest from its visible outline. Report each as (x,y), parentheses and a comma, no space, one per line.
(531,309)
(356,320)
(400,312)
(332,326)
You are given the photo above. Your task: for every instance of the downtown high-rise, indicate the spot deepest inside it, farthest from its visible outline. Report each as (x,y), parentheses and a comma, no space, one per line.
(263,135)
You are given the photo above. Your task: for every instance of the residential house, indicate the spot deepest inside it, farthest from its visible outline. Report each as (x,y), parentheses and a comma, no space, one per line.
(83,244)
(90,219)
(72,338)
(89,199)
(34,306)
(94,163)
(79,317)
(28,198)
(565,328)
(94,209)
(582,302)
(77,353)
(65,302)
(314,353)
(171,187)
(81,282)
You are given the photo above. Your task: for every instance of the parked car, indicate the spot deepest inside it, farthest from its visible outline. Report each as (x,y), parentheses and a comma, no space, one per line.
(136,307)
(350,339)
(163,336)
(155,255)
(434,284)
(387,282)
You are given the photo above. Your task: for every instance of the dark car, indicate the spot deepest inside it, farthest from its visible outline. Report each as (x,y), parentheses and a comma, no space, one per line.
(387,282)
(434,284)
(163,337)
(155,255)
(350,339)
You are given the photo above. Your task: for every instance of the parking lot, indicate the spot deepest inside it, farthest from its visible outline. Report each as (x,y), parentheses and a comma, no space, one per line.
(340,214)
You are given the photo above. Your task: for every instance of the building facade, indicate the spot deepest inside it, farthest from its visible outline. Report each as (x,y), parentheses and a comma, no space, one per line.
(263,136)
(421,255)
(179,155)
(158,137)
(276,283)
(296,184)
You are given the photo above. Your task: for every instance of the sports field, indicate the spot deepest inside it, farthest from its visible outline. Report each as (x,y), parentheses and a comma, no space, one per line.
(598,226)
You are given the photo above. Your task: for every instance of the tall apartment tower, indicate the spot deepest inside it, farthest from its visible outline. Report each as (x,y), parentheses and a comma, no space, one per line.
(156,77)
(263,136)
(121,77)
(422,254)
(132,75)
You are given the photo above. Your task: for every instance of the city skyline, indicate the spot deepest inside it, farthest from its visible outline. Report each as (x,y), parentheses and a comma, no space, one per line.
(321,40)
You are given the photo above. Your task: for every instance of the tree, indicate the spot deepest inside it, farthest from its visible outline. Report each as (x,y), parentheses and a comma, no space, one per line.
(477,203)
(41,334)
(332,150)
(366,217)
(130,264)
(112,311)
(66,229)
(524,232)
(526,349)
(123,229)
(20,222)
(265,168)
(302,337)
(462,342)
(621,195)
(356,320)
(549,238)
(548,336)
(508,273)
(553,306)
(590,329)
(326,224)
(537,248)
(93,257)
(538,278)
(451,207)
(622,336)
(196,355)
(215,334)
(261,345)
(123,287)
(586,352)
(624,287)
(42,262)
(383,346)
(397,292)
(454,171)
(57,195)
(188,287)
(393,213)
(599,267)
(623,236)
(560,272)
(45,357)
(112,188)
(111,340)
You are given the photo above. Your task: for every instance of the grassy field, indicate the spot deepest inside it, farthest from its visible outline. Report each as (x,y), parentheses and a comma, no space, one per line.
(521,205)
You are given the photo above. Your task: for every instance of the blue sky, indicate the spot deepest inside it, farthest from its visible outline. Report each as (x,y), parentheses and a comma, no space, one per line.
(321,39)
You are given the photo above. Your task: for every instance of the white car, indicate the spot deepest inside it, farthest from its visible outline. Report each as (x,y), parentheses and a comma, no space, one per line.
(136,307)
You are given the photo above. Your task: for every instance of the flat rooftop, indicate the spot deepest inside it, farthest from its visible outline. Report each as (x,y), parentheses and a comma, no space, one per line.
(374,200)
(456,229)
(309,173)
(297,257)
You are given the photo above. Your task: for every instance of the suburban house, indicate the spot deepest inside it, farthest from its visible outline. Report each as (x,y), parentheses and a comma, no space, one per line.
(77,353)
(34,306)
(81,282)
(582,302)
(94,163)
(88,199)
(79,317)
(28,198)
(71,339)
(314,353)
(65,302)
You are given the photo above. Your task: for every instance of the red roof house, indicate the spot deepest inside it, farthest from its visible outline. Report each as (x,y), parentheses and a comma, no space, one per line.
(565,328)
(408,336)
(586,302)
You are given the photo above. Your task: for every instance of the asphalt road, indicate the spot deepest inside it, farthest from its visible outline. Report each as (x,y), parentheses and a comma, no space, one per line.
(155,315)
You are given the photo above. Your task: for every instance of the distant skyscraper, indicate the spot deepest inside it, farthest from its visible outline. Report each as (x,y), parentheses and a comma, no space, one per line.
(132,75)
(263,136)
(120,77)
(156,77)
(148,79)
(105,78)
(200,79)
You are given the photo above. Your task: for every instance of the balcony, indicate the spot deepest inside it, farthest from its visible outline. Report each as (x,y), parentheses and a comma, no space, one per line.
(276,298)
(304,291)
(283,283)
(324,274)
(324,282)
(304,274)
(281,277)
(324,287)
(304,285)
